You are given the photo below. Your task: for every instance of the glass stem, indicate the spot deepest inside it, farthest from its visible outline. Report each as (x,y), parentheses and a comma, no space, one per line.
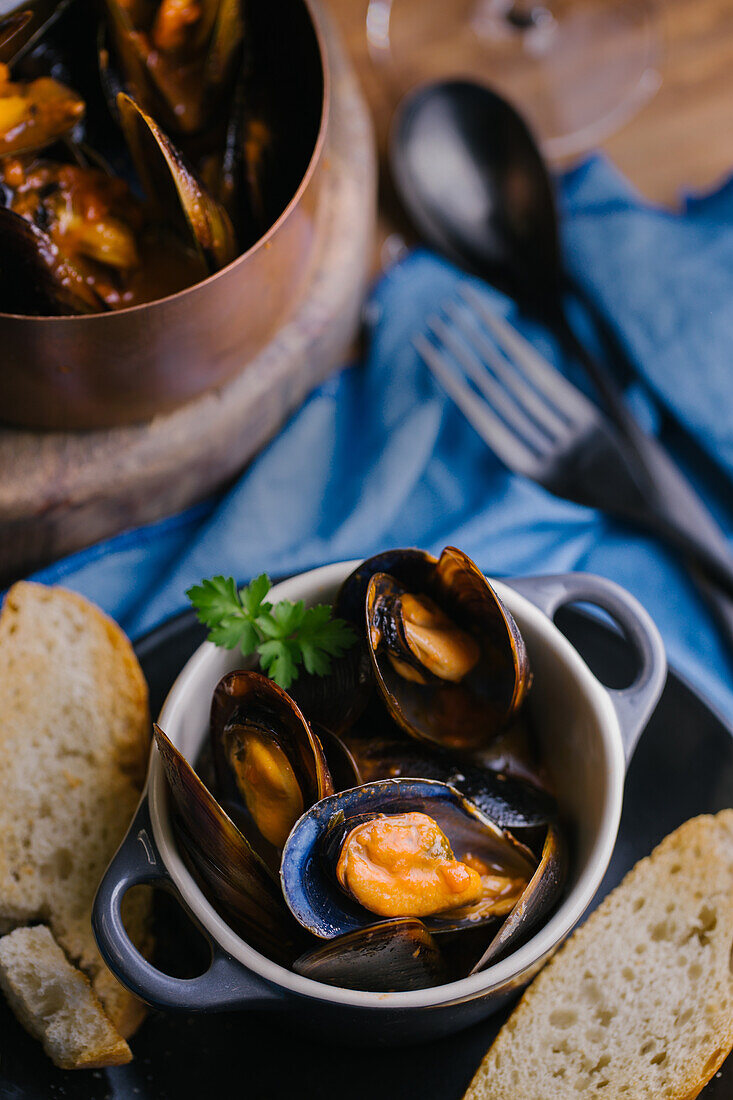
(523,15)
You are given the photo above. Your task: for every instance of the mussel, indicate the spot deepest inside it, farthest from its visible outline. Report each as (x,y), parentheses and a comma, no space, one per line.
(401,848)
(266,754)
(23,26)
(225,863)
(87,244)
(11,27)
(390,956)
(34,276)
(382,751)
(174,192)
(410,566)
(95,244)
(449,659)
(342,765)
(390,822)
(535,903)
(35,113)
(175,57)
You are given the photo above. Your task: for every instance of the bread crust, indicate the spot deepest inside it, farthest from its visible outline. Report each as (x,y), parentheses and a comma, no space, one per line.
(696,858)
(40,985)
(74,748)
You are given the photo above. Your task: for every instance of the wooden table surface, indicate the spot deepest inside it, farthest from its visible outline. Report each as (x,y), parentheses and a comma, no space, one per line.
(683,138)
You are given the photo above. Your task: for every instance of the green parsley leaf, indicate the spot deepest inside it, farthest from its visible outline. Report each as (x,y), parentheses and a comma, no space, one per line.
(289,616)
(284,637)
(321,638)
(253,595)
(214,599)
(268,626)
(279,659)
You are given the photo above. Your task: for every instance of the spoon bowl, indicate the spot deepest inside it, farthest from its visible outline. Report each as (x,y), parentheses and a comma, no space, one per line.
(473,181)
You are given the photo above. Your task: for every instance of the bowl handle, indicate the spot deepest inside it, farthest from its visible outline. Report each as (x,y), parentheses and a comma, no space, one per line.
(226,984)
(633,705)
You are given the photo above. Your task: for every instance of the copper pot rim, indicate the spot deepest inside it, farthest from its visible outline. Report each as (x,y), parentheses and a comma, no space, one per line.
(260,244)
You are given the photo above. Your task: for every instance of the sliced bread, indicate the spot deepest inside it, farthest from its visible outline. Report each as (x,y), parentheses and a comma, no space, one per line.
(638,1005)
(55,1002)
(74,740)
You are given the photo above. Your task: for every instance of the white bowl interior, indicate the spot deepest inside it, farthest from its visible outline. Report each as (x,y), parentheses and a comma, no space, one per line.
(581,746)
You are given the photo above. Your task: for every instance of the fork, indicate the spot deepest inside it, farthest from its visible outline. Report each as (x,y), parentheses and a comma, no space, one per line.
(543,427)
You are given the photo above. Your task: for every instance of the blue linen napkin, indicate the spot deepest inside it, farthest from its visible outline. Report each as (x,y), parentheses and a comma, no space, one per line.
(379,457)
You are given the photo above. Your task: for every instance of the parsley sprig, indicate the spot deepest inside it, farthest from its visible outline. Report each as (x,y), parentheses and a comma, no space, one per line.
(284,636)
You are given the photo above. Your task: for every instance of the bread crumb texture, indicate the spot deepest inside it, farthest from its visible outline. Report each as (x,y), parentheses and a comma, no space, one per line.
(56,1003)
(74,740)
(638,1004)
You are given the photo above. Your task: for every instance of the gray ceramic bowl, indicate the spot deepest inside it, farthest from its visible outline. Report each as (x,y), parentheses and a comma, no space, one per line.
(587,735)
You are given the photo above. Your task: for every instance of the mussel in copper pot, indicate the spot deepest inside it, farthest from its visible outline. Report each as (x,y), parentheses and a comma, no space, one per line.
(392,815)
(176,57)
(11,27)
(105,238)
(35,113)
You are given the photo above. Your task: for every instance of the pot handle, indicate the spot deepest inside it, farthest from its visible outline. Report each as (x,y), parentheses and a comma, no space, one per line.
(226,984)
(633,705)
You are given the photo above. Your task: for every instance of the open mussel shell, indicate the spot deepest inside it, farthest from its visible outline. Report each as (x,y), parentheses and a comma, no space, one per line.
(307,870)
(266,753)
(182,85)
(410,566)
(509,802)
(34,278)
(392,956)
(341,762)
(465,712)
(11,27)
(22,27)
(223,48)
(121,59)
(176,193)
(541,894)
(238,882)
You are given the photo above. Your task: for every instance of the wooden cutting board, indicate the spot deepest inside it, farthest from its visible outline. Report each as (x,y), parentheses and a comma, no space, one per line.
(60,491)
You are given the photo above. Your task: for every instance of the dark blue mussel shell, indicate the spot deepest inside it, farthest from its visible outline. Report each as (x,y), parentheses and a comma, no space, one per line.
(307,871)
(408,566)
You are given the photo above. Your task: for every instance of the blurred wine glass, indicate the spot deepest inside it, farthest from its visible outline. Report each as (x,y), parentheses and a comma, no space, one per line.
(576,69)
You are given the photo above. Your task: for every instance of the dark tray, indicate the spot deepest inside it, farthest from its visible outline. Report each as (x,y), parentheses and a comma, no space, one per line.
(683,766)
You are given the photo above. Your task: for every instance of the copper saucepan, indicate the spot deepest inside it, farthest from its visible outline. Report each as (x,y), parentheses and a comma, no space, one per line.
(121,367)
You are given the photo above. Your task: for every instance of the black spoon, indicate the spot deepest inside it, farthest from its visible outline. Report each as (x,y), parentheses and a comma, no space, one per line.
(474,183)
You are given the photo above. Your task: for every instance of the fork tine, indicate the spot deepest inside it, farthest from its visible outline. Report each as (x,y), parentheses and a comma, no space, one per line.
(516,384)
(508,447)
(563,394)
(512,413)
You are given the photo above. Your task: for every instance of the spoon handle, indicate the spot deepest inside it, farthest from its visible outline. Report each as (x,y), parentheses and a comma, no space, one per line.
(677,514)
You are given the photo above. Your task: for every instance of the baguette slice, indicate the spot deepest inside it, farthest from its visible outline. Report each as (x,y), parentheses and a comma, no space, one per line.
(74,740)
(638,1005)
(55,1002)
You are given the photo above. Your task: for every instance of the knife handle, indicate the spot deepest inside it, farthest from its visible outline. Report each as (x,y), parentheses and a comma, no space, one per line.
(676,513)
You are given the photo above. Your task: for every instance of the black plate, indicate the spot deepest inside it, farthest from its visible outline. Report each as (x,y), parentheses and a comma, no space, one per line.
(683,766)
